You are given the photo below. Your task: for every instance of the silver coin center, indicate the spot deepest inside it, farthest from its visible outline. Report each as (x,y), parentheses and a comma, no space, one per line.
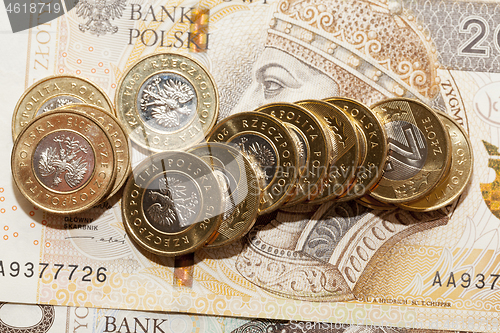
(57,102)
(167,102)
(172,202)
(407,150)
(63,161)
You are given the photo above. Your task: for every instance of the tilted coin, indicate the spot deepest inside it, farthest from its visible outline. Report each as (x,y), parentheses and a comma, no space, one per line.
(167,101)
(367,201)
(116,134)
(345,148)
(454,183)
(419,150)
(373,142)
(53,92)
(171,203)
(302,149)
(63,162)
(270,148)
(315,143)
(239,187)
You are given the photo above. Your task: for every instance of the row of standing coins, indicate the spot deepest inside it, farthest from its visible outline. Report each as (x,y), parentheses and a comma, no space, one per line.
(398,153)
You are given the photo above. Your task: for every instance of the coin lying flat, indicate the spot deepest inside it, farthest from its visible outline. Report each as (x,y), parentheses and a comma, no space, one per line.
(116,134)
(453,184)
(374,143)
(419,150)
(53,92)
(171,203)
(345,156)
(239,187)
(315,144)
(63,162)
(269,146)
(167,101)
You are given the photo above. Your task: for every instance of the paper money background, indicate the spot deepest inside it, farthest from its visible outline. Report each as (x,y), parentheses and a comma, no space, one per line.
(307,266)
(58,319)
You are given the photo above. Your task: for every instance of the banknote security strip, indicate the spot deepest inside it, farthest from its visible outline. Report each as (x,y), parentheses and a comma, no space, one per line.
(206,183)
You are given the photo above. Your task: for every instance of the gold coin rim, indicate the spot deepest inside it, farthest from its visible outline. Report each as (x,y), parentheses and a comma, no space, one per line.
(130,214)
(377,157)
(247,174)
(411,205)
(146,144)
(300,196)
(345,184)
(438,176)
(17,111)
(290,182)
(100,194)
(126,151)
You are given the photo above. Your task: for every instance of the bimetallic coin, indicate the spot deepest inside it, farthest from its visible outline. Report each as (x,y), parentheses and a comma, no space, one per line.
(54,92)
(171,203)
(419,150)
(167,101)
(345,150)
(373,140)
(373,203)
(270,149)
(63,162)
(116,134)
(454,183)
(239,187)
(316,147)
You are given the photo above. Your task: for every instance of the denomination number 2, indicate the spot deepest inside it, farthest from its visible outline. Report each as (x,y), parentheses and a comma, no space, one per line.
(480,29)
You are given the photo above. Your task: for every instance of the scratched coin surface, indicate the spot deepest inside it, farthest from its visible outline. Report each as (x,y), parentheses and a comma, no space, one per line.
(454,183)
(345,148)
(171,203)
(315,144)
(373,142)
(239,188)
(53,92)
(269,146)
(167,101)
(419,150)
(117,136)
(63,162)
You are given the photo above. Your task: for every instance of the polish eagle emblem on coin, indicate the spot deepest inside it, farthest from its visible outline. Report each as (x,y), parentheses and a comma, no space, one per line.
(260,157)
(167,101)
(64,160)
(99,13)
(172,206)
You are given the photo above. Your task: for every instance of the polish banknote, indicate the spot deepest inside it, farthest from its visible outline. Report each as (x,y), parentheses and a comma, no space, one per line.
(330,263)
(23,318)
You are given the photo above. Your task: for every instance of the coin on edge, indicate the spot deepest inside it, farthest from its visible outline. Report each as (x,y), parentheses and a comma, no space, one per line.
(167,101)
(373,203)
(454,183)
(269,146)
(345,148)
(419,150)
(63,162)
(171,203)
(116,134)
(373,140)
(240,190)
(53,92)
(315,143)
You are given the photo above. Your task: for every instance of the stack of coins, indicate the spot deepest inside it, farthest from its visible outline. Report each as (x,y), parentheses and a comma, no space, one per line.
(205,184)
(67,156)
(397,153)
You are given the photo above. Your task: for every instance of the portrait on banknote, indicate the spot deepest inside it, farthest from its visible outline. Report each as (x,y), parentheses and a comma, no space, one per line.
(329,261)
